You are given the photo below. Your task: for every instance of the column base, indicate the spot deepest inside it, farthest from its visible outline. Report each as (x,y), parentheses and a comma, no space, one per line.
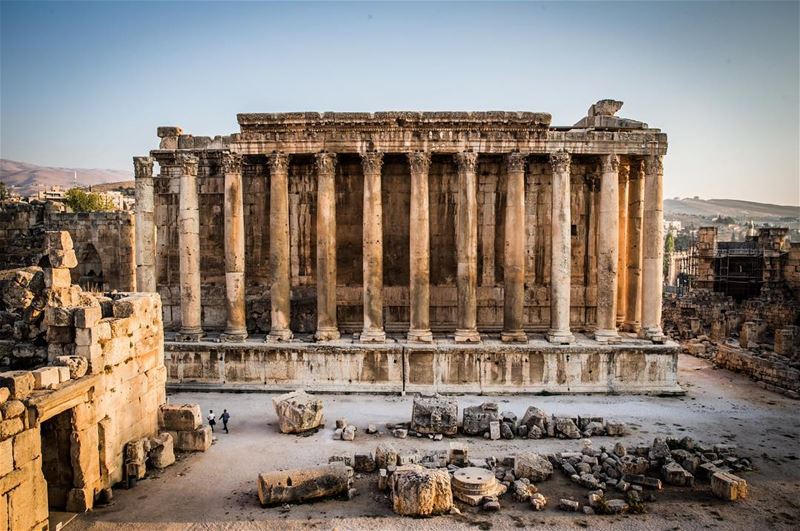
(420,336)
(560,337)
(467,335)
(233,336)
(279,335)
(513,336)
(189,334)
(327,334)
(376,335)
(607,336)
(654,334)
(631,326)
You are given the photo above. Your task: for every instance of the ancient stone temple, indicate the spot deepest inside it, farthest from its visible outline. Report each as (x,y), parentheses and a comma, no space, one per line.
(439,238)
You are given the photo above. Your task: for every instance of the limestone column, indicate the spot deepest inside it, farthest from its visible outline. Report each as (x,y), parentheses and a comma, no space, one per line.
(560,250)
(326,247)
(467,248)
(189,249)
(608,251)
(653,249)
(514,250)
(372,240)
(419,249)
(236,321)
(622,267)
(633,254)
(279,290)
(145,225)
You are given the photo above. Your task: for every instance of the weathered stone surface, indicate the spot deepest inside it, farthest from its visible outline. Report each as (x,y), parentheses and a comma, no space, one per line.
(432,414)
(180,417)
(46,378)
(532,466)
(472,485)
(477,418)
(19,383)
(418,491)
(198,440)
(385,456)
(538,502)
(298,486)
(364,463)
(534,417)
(162,453)
(565,427)
(298,412)
(728,486)
(77,365)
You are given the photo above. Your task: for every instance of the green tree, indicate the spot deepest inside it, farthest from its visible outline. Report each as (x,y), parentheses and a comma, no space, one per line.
(82,201)
(3,192)
(669,248)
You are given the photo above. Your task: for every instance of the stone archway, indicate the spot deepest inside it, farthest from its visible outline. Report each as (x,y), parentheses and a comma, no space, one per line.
(89,274)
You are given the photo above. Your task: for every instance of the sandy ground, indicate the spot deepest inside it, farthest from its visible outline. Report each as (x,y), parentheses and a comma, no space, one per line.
(217,489)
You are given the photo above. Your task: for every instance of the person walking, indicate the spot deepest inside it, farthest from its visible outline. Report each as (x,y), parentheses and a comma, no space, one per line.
(212,419)
(225,416)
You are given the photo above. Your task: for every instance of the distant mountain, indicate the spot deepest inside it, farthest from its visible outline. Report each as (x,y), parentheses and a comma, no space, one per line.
(26,179)
(729,208)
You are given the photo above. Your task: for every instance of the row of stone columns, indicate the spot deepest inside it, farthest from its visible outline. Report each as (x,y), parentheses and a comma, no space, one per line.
(630,216)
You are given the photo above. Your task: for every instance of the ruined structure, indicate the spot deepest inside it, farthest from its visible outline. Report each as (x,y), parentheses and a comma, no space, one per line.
(415,225)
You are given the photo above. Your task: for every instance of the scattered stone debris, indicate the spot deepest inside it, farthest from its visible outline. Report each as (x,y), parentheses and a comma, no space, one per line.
(434,414)
(298,486)
(477,418)
(298,412)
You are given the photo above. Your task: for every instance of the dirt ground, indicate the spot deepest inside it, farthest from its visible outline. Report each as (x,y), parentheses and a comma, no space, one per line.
(217,489)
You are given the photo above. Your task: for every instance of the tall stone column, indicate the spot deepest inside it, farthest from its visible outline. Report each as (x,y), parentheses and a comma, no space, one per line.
(236,322)
(189,250)
(145,225)
(372,238)
(653,250)
(622,267)
(633,275)
(326,247)
(280,289)
(514,250)
(608,251)
(467,248)
(560,250)
(419,248)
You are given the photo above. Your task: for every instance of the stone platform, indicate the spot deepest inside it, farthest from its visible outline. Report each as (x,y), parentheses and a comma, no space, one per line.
(492,367)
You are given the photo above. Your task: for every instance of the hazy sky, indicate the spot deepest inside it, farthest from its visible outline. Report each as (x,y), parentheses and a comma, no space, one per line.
(86,84)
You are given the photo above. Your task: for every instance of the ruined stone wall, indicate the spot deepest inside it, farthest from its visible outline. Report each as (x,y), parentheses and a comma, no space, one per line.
(791,270)
(395,191)
(706,250)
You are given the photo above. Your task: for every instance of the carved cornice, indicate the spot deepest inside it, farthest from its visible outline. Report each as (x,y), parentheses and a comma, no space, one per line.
(326,163)
(560,161)
(372,162)
(187,162)
(278,163)
(466,160)
(515,161)
(231,162)
(610,163)
(420,162)
(142,167)
(653,165)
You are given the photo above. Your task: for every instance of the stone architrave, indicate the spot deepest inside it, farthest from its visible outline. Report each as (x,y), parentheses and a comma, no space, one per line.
(145,225)
(280,288)
(236,318)
(560,250)
(514,256)
(327,328)
(419,249)
(633,253)
(607,251)
(467,249)
(653,250)
(372,162)
(189,249)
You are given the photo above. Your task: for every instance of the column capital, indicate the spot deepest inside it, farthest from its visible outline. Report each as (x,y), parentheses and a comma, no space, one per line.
(466,160)
(278,162)
(560,161)
(515,161)
(654,164)
(610,163)
(326,162)
(624,172)
(420,162)
(231,162)
(142,167)
(372,162)
(187,162)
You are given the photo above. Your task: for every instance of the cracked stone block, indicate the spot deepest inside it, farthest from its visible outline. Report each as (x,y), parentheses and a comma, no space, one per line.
(432,414)
(477,418)
(298,412)
(533,466)
(180,417)
(728,486)
(301,485)
(418,491)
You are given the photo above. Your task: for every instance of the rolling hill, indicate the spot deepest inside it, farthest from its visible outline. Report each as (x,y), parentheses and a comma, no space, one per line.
(734,208)
(26,179)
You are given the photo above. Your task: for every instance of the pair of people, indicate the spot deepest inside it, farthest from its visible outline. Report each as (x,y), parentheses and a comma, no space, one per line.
(212,419)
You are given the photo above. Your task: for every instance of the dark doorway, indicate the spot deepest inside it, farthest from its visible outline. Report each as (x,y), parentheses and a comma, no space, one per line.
(56,459)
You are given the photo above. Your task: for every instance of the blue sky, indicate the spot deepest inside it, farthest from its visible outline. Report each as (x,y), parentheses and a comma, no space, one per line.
(86,84)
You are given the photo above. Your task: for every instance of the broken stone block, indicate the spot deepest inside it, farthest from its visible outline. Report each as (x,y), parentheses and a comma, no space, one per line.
(78,365)
(522,490)
(506,432)
(538,502)
(494,430)
(62,259)
(458,455)
(58,240)
(341,424)
(728,487)
(57,316)
(674,474)
(383,479)
(532,466)
(87,316)
(364,463)
(198,440)
(372,429)
(162,453)
(644,481)
(400,433)
(418,491)
(477,418)
(19,383)
(615,428)
(385,456)
(616,507)
(298,412)
(135,458)
(301,485)
(432,414)
(566,428)
(180,417)
(594,428)
(63,374)
(569,505)
(46,378)
(349,433)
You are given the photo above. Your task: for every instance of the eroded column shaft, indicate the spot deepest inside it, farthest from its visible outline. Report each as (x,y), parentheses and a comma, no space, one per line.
(326,247)
(372,162)
(236,321)
(189,249)
(560,250)
(653,249)
(467,248)
(622,267)
(145,232)
(419,248)
(633,274)
(514,250)
(608,250)
(280,289)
